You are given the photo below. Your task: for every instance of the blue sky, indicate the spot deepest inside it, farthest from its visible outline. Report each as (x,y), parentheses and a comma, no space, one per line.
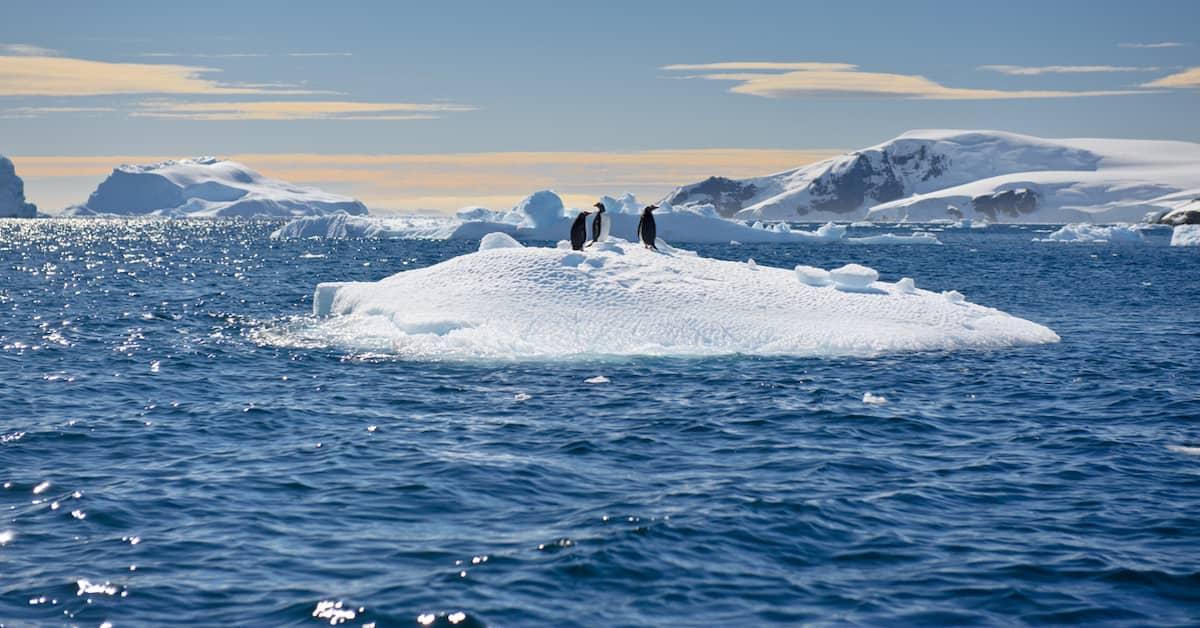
(541,77)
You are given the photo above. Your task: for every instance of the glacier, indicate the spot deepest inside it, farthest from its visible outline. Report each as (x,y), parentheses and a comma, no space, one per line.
(925,175)
(541,216)
(12,193)
(207,187)
(617,298)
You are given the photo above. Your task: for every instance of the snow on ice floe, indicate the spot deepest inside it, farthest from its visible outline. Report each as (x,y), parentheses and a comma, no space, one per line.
(621,299)
(1099,234)
(1185,235)
(542,216)
(206,187)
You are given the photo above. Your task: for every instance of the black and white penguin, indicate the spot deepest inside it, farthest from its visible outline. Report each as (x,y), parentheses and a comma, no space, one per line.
(647,231)
(579,231)
(601,225)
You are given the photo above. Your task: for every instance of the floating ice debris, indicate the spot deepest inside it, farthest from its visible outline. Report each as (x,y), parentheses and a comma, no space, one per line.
(874,400)
(522,397)
(622,299)
(1182,449)
(372,428)
(599,379)
(334,612)
(41,488)
(917,237)
(6,537)
(1096,234)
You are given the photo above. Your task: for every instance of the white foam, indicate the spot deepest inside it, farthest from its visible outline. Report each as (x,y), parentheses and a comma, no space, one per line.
(874,400)
(533,302)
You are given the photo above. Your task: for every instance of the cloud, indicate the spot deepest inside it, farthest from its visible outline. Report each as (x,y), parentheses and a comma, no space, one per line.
(1180,80)
(320,54)
(1161,44)
(37,112)
(751,66)
(204,55)
(64,76)
(295,110)
(27,50)
(1018,70)
(849,81)
(447,181)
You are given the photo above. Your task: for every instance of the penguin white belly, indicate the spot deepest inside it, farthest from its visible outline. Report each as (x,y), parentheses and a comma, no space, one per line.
(605,227)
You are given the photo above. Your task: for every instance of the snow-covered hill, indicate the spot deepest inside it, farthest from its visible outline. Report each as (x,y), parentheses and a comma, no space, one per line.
(12,193)
(1001,177)
(207,187)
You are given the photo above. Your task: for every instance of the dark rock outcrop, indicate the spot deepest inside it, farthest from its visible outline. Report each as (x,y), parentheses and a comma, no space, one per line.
(1012,203)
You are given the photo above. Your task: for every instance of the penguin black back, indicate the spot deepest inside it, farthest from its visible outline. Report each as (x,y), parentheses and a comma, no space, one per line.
(647,231)
(579,231)
(597,222)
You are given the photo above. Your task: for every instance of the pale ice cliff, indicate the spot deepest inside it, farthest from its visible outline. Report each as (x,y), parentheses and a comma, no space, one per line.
(12,193)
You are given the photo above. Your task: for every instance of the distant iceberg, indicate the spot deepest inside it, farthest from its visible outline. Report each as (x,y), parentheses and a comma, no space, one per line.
(1098,234)
(541,216)
(12,193)
(1186,235)
(508,301)
(207,187)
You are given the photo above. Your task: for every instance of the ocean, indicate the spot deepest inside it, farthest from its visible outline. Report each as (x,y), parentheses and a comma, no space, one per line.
(166,460)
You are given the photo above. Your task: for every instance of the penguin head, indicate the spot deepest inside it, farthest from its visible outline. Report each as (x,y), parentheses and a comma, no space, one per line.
(650,208)
(599,206)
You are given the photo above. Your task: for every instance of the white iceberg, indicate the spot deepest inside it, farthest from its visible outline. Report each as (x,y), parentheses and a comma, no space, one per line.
(1186,235)
(621,299)
(1098,234)
(207,187)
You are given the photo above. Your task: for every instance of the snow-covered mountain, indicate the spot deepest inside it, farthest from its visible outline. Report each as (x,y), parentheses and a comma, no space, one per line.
(1184,214)
(12,193)
(1000,177)
(207,187)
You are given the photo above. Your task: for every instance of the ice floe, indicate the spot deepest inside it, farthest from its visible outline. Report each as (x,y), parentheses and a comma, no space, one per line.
(619,298)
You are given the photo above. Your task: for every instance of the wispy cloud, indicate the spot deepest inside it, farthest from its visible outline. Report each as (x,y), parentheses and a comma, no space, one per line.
(1020,70)
(1180,80)
(1161,44)
(27,50)
(204,55)
(320,54)
(848,80)
(753,66)
(37,112)
(65,76)
(295,110)
(447,181)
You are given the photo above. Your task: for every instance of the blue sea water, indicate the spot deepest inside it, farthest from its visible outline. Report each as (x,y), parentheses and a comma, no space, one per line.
(162,464)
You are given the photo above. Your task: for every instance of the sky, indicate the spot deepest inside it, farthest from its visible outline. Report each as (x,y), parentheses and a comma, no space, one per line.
(433,106)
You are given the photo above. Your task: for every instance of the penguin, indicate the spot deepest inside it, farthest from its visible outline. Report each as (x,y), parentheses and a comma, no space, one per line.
(601,225)
(579,231)
(647,231)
